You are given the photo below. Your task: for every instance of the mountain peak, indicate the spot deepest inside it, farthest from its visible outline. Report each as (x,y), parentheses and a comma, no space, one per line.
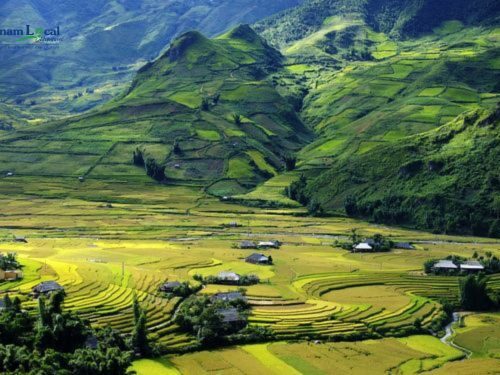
(244,32)
(182,43)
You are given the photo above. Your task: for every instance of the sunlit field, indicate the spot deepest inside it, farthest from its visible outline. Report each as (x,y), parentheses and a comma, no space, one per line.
(107,242)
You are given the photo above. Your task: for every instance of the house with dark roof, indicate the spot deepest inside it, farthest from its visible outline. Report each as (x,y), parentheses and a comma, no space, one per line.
(169,287)
(91,342)
(404,246)
(269,244)
(20,239)
(247,245)
(257,258)
(46,287)
(228,297)
(231,317)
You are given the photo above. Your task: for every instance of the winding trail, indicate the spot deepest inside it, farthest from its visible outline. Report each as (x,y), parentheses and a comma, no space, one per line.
(447,338)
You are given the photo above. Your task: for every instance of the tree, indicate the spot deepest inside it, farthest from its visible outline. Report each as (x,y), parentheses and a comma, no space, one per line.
(473,293)
(237,118)
(205,104)
(139,341)
(177,147)
(428,264)
(138,157)
(154,170)
(270,259)
(290,162)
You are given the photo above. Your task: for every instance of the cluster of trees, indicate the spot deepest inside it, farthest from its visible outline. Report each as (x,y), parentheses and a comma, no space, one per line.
(244,280)
(9,262)
(56,342)
(153,168)
(474,293)
(201,316)
(297,191)
(184,290)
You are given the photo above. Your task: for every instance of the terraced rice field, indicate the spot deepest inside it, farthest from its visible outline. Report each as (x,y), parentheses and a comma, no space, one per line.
(107,245)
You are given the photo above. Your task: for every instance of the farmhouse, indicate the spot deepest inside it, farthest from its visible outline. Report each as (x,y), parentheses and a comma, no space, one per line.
(169,286)
(404,246)
(247,245)
(445,265)
(471,266)
(269,245)
(20,239)
(232,317)
(46,287)
(228,297)
(257,258)
(9,275)
(363,246)
(228,277)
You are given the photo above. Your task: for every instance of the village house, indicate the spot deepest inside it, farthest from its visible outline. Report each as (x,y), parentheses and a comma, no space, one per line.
(228,297)
(269,244)
(471,266)
(404,246)
(10,275)
(20,239)
(445,265)
(46,287)
(231,316)
(257,258)
(227,277)
(169,287)
(247,245)
(363,246)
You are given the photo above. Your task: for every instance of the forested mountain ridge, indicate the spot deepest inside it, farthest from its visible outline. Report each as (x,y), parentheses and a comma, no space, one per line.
(102,44)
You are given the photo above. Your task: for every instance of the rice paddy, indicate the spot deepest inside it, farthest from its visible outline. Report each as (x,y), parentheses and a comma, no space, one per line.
(107,242)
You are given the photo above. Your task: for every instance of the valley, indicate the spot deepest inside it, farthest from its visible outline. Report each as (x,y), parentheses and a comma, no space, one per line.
(314,193)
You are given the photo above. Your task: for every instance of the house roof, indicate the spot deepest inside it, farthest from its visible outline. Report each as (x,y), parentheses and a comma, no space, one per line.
(445,264)
(228,296)
(171,285)
(47,286)
(230,315)
(363,246)
(226,275)
(404,245)
(257,258)
(247,243)
(472,265)
(91,342)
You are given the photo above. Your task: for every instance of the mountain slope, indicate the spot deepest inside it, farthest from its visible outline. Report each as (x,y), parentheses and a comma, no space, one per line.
(103,43)
(446,180)
(204,110)
(400,18)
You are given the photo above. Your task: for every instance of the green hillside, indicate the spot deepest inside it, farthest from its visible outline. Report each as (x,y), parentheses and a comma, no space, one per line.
(204,111)
(103,43)
(446,180)
(398,18)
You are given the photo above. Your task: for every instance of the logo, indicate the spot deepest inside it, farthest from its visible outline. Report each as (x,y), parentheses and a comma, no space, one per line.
(31,35)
